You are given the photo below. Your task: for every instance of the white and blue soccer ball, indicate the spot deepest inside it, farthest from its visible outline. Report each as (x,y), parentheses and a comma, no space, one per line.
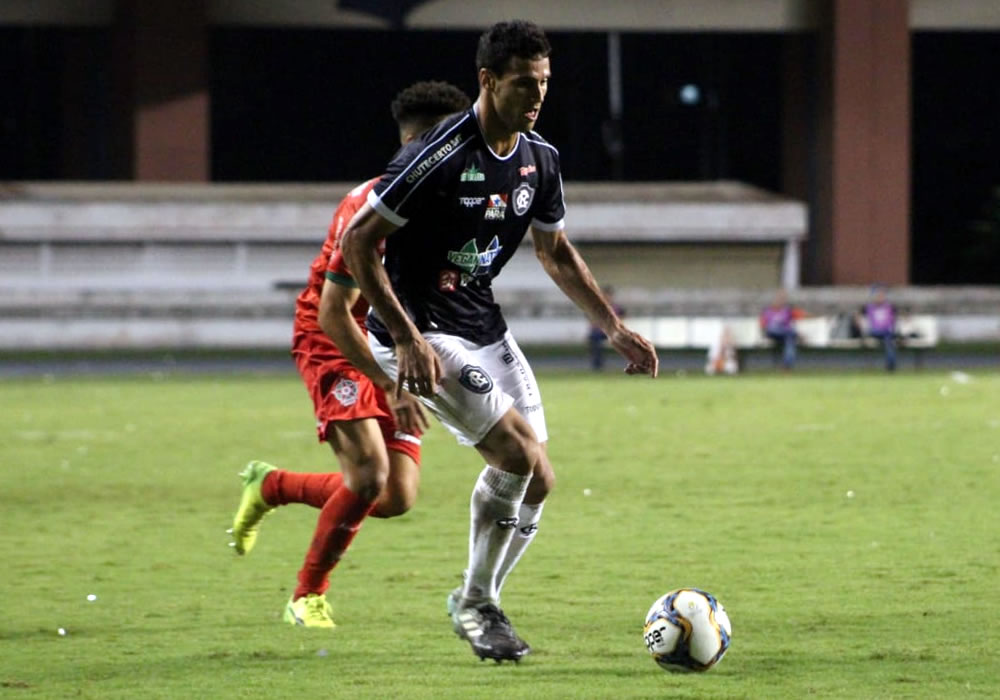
(687,630)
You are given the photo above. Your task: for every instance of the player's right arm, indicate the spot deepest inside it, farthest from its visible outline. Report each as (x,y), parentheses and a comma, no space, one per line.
(419,366)
(337,322)
(335,304)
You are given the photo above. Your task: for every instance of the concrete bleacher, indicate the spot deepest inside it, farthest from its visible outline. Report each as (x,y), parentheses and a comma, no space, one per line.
(141,265)
(134,236)
(137,266)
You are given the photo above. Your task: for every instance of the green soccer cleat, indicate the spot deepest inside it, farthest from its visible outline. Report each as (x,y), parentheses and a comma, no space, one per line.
(252,507)
(310,610)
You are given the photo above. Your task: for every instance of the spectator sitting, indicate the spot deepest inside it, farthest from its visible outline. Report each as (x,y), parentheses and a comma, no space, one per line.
(777,321)
(878,320)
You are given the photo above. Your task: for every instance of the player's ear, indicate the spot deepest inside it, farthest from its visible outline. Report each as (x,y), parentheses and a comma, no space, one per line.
(487,80)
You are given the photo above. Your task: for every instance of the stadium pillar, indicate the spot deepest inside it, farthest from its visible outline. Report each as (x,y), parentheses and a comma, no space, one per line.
(161,90)
(860,188)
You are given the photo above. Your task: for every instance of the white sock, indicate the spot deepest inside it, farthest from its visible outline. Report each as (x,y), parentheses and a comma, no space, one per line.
(496,498)
(528,516)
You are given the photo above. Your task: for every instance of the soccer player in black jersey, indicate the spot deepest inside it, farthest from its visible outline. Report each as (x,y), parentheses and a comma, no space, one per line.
(452,208)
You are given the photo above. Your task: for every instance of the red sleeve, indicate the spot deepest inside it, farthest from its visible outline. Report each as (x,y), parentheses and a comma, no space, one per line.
(349,206)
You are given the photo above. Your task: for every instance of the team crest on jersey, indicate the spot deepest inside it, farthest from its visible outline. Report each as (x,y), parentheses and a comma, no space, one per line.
(473,262)
(475,379)
(523,196)
(471,174)
(496,207)
(346,391)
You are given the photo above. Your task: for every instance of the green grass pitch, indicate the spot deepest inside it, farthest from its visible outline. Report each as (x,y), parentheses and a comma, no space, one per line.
(849,523)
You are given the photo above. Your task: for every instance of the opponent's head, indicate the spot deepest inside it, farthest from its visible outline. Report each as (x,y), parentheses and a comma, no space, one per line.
(513,64)
(424,104)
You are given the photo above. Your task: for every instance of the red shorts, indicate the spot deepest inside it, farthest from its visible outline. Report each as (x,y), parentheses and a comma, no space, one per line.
(341,393)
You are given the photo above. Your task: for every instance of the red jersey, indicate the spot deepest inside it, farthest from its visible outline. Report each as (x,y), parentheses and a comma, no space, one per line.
(329,264)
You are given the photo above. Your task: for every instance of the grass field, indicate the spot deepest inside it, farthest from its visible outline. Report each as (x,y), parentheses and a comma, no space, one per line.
(849,523)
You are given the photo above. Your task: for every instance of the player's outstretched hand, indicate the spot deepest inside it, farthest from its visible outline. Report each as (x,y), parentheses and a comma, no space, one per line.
(639,352)
(419,368)
(408,413)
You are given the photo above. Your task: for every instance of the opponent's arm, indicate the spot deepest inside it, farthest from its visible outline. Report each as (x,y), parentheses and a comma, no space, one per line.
(568,270)
(419,366)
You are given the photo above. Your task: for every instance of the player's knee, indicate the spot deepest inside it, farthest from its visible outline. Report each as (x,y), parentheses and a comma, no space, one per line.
(521,454)
(400,492)
(396,498)
(511,445)
(368,476)
(542,482)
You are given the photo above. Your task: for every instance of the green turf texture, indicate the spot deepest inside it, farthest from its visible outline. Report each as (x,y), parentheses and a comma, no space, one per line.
(123,488)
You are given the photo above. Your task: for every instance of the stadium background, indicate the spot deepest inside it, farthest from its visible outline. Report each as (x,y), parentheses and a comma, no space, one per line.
(879,118)
(847,520)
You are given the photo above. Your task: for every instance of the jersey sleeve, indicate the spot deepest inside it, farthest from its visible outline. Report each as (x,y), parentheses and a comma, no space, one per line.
(336,268)
(411,175)
(337,272)
(550,206)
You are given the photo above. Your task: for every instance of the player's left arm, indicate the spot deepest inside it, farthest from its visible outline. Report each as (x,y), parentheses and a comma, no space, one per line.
(568,270)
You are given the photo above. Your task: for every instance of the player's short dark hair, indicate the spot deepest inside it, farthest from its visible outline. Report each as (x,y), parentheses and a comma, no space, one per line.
(506,40)
(428,100)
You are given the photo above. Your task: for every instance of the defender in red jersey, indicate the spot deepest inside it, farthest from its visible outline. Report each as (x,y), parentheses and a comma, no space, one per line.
(373,430)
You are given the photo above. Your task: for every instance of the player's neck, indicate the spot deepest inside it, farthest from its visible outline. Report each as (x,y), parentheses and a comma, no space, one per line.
(499,137)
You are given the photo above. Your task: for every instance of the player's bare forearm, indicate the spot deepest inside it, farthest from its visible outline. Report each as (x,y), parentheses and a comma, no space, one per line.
(562,262)
(339,325)
(568,270)
(418,365)
(359,246)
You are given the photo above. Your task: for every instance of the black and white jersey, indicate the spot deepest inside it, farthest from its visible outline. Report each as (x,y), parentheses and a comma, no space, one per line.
(463,212)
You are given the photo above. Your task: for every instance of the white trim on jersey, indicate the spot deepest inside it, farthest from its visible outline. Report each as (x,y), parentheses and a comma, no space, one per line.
(562,192)
(384,210)
(543,226)
(561,224)
(539,140)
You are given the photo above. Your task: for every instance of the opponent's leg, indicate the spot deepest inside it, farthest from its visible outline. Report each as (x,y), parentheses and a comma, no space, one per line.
(361,451)
(252,508)
(282,487)
(403,482)
(400,492)
(266,487)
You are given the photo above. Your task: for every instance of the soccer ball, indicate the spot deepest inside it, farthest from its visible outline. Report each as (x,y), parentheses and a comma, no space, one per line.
(687,630)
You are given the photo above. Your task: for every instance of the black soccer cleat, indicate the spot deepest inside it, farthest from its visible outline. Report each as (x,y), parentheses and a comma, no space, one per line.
(489,633)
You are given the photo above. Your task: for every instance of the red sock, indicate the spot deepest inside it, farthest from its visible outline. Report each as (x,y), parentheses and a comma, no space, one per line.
(339,521)
(282,487)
